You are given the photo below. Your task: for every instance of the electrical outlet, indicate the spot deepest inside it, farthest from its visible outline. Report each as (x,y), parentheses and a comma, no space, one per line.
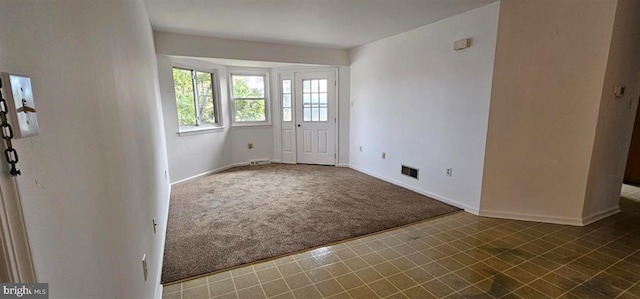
(361,148)
(619,90)
(449,171)
(250,145)
(384,155)
(145,270)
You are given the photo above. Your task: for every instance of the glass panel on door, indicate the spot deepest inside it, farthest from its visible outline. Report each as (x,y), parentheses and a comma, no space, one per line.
(314,103)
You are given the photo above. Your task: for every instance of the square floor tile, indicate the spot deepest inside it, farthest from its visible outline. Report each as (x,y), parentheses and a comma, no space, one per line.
(275,287)
(437,288)
(383,288)
(297,281)
(402,281)
(201,292)
(329,287)
(350,281)
(289,269)
(246,280)
(368,275)
(362,292)
(309,292)
(221,287)
(252,292)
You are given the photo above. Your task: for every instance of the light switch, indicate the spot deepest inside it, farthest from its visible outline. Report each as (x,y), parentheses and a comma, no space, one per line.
(20,105)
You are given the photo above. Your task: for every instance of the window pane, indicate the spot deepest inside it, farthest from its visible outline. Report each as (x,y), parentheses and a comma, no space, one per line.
(248,87)
(323,114)
(323,85)
(183,86)
(314,99)
(250,110)
(306,98)
(286,86)
(307,114)
(286,100)
(286,114)
(306,86)
(315,115)
(314,86)
(323,99)
(205,98)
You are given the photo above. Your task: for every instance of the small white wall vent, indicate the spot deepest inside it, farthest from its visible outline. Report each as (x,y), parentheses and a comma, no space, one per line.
(259,162)
(462,44)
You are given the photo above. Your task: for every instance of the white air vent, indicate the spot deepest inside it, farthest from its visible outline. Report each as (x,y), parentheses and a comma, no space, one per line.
(259,162)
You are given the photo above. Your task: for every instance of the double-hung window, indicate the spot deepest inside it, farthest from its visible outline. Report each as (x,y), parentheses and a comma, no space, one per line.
(250,97)
(197,102)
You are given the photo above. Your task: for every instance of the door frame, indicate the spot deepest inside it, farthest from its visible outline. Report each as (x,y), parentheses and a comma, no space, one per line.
(16,262)
(290,74)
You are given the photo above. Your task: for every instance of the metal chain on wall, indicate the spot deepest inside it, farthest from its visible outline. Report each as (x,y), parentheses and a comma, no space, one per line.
(7,134)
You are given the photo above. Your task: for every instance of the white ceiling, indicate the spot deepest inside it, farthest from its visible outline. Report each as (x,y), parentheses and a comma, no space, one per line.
(323,23)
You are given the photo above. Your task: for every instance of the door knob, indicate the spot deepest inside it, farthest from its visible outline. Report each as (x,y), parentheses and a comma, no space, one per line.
(299,125)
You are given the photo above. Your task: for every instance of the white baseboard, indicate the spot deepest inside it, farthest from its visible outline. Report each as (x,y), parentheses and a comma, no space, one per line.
(238,165)
(163,236)
(343,165)
(552,219)
(444,199)
(276,161)
(531,217)
(197,176)
(600,215)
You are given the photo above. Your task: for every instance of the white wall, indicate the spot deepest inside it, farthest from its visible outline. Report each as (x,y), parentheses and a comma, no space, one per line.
(551,58)
(198,46)
(344,114)
(616,115)
(426,105)
(94,177)
(262,139)
(193,154)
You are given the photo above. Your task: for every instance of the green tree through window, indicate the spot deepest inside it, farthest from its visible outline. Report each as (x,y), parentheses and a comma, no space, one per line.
(195,97)
(249,98)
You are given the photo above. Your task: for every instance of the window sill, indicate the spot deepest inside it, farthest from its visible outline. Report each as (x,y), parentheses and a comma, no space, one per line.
(251,125)
(199,130)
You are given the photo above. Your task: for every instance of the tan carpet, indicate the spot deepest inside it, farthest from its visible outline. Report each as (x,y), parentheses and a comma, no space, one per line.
(251,213)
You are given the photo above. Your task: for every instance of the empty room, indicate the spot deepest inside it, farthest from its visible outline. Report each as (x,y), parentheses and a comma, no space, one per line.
(320,148)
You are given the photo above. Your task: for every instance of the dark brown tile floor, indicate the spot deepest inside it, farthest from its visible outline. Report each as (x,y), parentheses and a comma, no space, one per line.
(455,256)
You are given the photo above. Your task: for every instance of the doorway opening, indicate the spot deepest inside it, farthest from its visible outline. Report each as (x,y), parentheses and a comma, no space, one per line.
(309,116)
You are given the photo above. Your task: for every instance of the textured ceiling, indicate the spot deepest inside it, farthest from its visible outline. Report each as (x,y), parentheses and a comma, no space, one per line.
(323,23)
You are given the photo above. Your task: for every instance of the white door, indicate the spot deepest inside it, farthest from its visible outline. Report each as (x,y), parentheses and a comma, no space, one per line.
(315,98)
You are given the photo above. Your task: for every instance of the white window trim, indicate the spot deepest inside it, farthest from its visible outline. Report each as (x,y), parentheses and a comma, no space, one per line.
(267,97)
(196,130)
(208,128)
